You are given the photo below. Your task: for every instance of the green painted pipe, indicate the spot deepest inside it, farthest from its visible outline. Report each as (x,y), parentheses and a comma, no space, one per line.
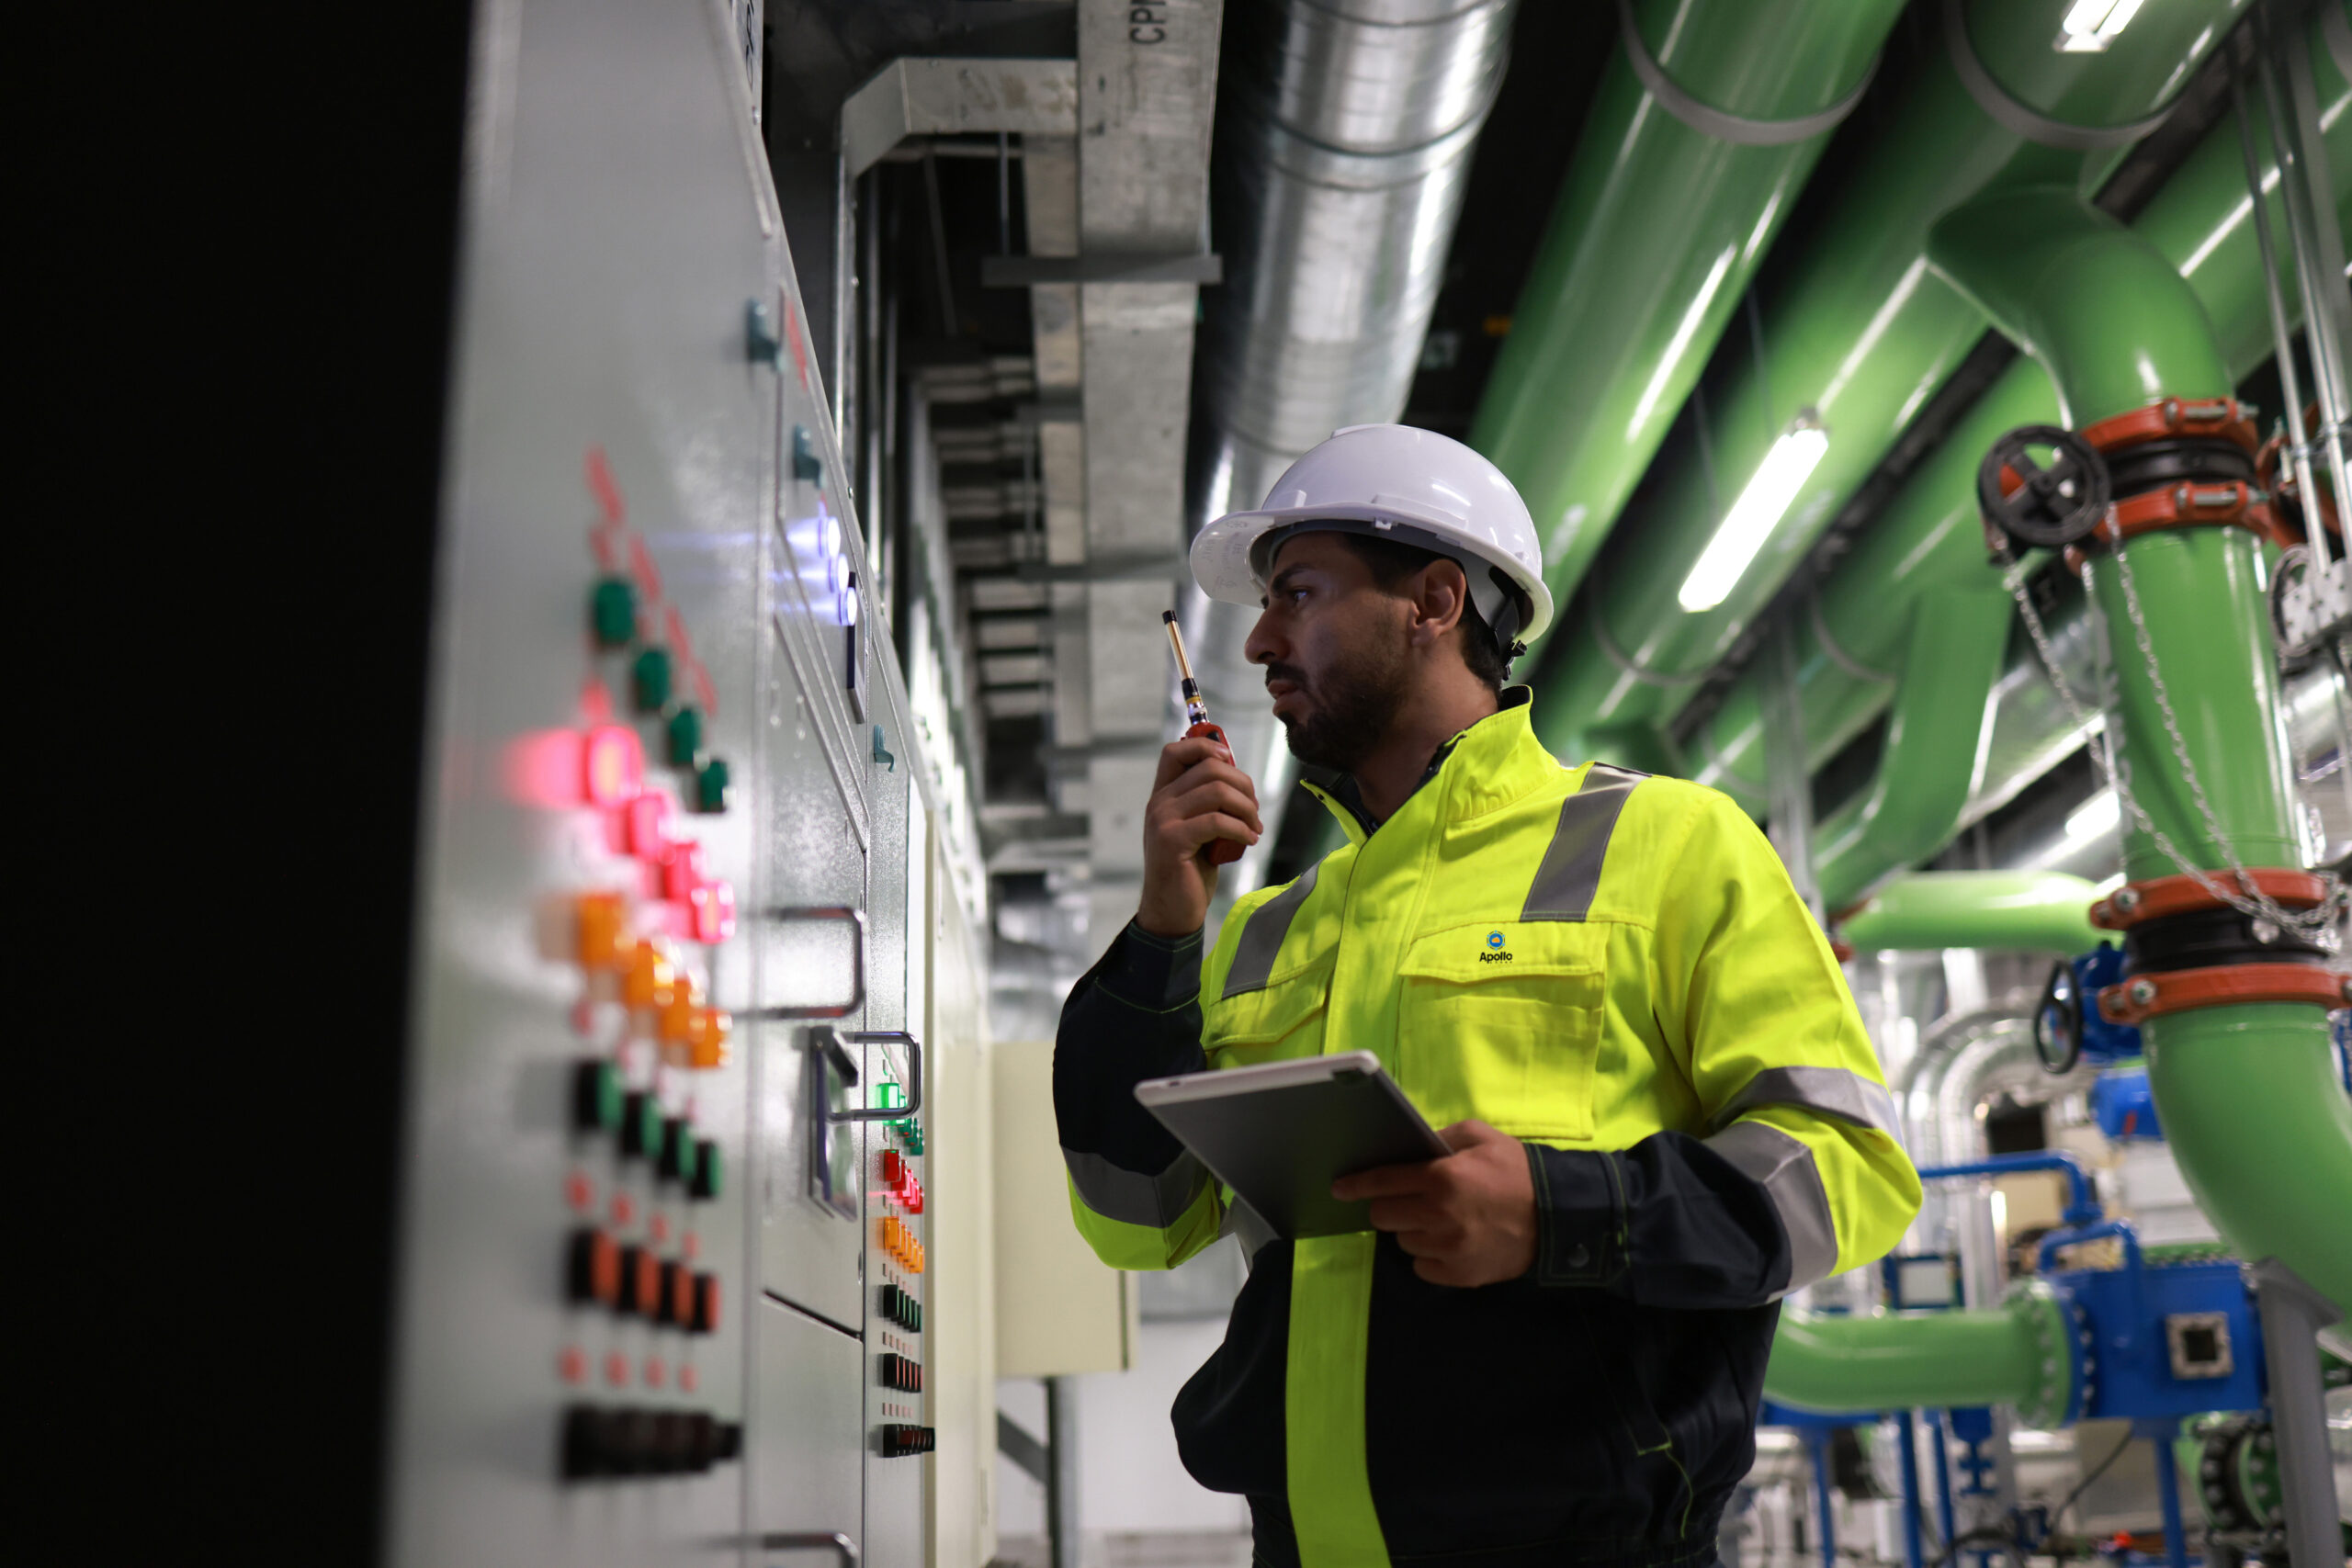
(2013,1354)
(1657,231)
(1861,330)
(2263,1136)
(1928,770)
(2069,283)
(2250,1104)
(2017,911)
(1929,538)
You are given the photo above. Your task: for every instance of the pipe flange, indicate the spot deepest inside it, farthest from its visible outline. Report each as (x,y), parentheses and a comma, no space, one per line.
(2061,1358)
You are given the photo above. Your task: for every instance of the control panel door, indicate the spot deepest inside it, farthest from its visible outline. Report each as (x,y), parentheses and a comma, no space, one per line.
(804,1455)
(816,962)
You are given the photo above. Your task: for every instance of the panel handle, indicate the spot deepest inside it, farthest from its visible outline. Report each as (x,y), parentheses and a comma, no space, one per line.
(845,1550)
(914,1078)
(855,921)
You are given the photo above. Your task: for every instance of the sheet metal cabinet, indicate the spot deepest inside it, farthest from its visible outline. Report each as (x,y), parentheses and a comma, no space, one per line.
(643,516)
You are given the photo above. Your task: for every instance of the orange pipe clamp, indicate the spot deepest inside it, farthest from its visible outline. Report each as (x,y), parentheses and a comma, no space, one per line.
(2158,896)
(2166,418)
(2233,504)
(2145,997)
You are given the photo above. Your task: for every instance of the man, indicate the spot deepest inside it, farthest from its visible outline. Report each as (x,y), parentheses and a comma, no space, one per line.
(1665,1112)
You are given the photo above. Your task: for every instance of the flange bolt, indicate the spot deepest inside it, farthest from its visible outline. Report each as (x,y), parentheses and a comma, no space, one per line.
(2142,991)
(2124,899)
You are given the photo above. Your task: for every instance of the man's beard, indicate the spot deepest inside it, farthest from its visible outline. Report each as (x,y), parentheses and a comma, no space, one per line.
(1348,708)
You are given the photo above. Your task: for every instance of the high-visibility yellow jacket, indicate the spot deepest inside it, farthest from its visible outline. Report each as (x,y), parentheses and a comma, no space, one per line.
(1615,969)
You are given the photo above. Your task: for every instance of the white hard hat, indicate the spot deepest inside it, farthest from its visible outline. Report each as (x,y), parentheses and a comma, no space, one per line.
(1396,482)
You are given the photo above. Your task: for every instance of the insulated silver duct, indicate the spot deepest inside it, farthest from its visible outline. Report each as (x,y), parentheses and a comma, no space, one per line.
(1342,147)
(1963,1062)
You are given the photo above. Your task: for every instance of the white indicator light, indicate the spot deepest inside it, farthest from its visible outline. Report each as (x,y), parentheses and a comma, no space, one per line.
(1753,516)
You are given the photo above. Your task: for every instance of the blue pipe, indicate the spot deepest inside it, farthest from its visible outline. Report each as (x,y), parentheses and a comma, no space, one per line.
(2168,1489)
(1943,1480)
(1914,1553)
(1816,1438)
(2081,1210)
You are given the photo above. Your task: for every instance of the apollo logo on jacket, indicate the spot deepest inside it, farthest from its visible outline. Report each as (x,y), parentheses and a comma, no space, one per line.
(1497,952)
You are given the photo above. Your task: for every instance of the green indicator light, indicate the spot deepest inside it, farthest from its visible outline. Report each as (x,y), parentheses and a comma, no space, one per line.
(595,1097)
(684,737)
(649,680)
(612,612)
(710,786)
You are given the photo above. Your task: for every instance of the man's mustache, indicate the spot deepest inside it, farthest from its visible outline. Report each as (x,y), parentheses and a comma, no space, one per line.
(1290,672)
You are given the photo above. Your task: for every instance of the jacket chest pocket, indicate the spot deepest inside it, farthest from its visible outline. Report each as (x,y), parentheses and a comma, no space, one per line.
(1503,1022)
(1276,1022)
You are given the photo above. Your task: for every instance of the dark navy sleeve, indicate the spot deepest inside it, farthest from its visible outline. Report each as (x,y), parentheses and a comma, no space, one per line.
(1669,1223)
(1135,1015)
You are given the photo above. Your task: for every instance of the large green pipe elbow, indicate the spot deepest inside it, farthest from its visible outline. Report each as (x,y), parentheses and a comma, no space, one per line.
(2015,1354)
(2250,1103)
(2110,318)
(2020,911)
(1929,768)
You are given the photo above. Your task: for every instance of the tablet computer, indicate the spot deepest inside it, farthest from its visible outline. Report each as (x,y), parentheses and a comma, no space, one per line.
(1281,1133)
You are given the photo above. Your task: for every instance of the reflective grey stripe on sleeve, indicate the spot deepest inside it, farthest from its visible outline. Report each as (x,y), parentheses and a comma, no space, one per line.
(1158,1202)
(1570,874)
(1833,1091)
(1784,1169)
(1261,938)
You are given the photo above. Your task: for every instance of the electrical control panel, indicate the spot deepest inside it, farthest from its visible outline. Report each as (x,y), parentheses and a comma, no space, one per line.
(663,1249)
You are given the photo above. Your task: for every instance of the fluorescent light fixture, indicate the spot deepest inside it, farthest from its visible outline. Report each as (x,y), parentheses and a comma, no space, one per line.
(2092,24)
(1753,516)
(2094,819)
(2097,815)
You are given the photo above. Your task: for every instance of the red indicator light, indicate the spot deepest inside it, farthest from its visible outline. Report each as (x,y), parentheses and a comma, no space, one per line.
(616,1370)
(655,1373)
(711,913)
(687,1379)
(646,824)
(624,1209)
(579,1191)
(571,1366)
(612,767)
(681,870)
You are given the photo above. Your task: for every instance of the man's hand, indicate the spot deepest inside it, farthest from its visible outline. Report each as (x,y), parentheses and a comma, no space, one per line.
(1198,797)
(1468,1219)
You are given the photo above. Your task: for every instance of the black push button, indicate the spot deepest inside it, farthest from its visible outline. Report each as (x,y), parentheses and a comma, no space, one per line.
(677,1149)
(640,1125)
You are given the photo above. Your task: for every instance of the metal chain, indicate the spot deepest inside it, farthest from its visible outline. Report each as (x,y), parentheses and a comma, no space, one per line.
(2117,771)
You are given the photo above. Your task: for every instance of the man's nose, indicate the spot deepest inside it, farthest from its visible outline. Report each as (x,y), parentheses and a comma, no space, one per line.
(1265,643)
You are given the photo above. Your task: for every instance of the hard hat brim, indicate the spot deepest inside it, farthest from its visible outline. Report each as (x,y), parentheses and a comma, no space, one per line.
(1221,551)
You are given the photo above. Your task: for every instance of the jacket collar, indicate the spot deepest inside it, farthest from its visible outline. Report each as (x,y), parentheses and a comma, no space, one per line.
(1485,767)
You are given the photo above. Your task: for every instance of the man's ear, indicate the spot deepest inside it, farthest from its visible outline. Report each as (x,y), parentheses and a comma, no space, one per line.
(1439,594)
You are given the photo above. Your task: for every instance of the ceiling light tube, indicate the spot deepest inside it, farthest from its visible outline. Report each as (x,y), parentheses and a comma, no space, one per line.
(2091,24)
(1758,511)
